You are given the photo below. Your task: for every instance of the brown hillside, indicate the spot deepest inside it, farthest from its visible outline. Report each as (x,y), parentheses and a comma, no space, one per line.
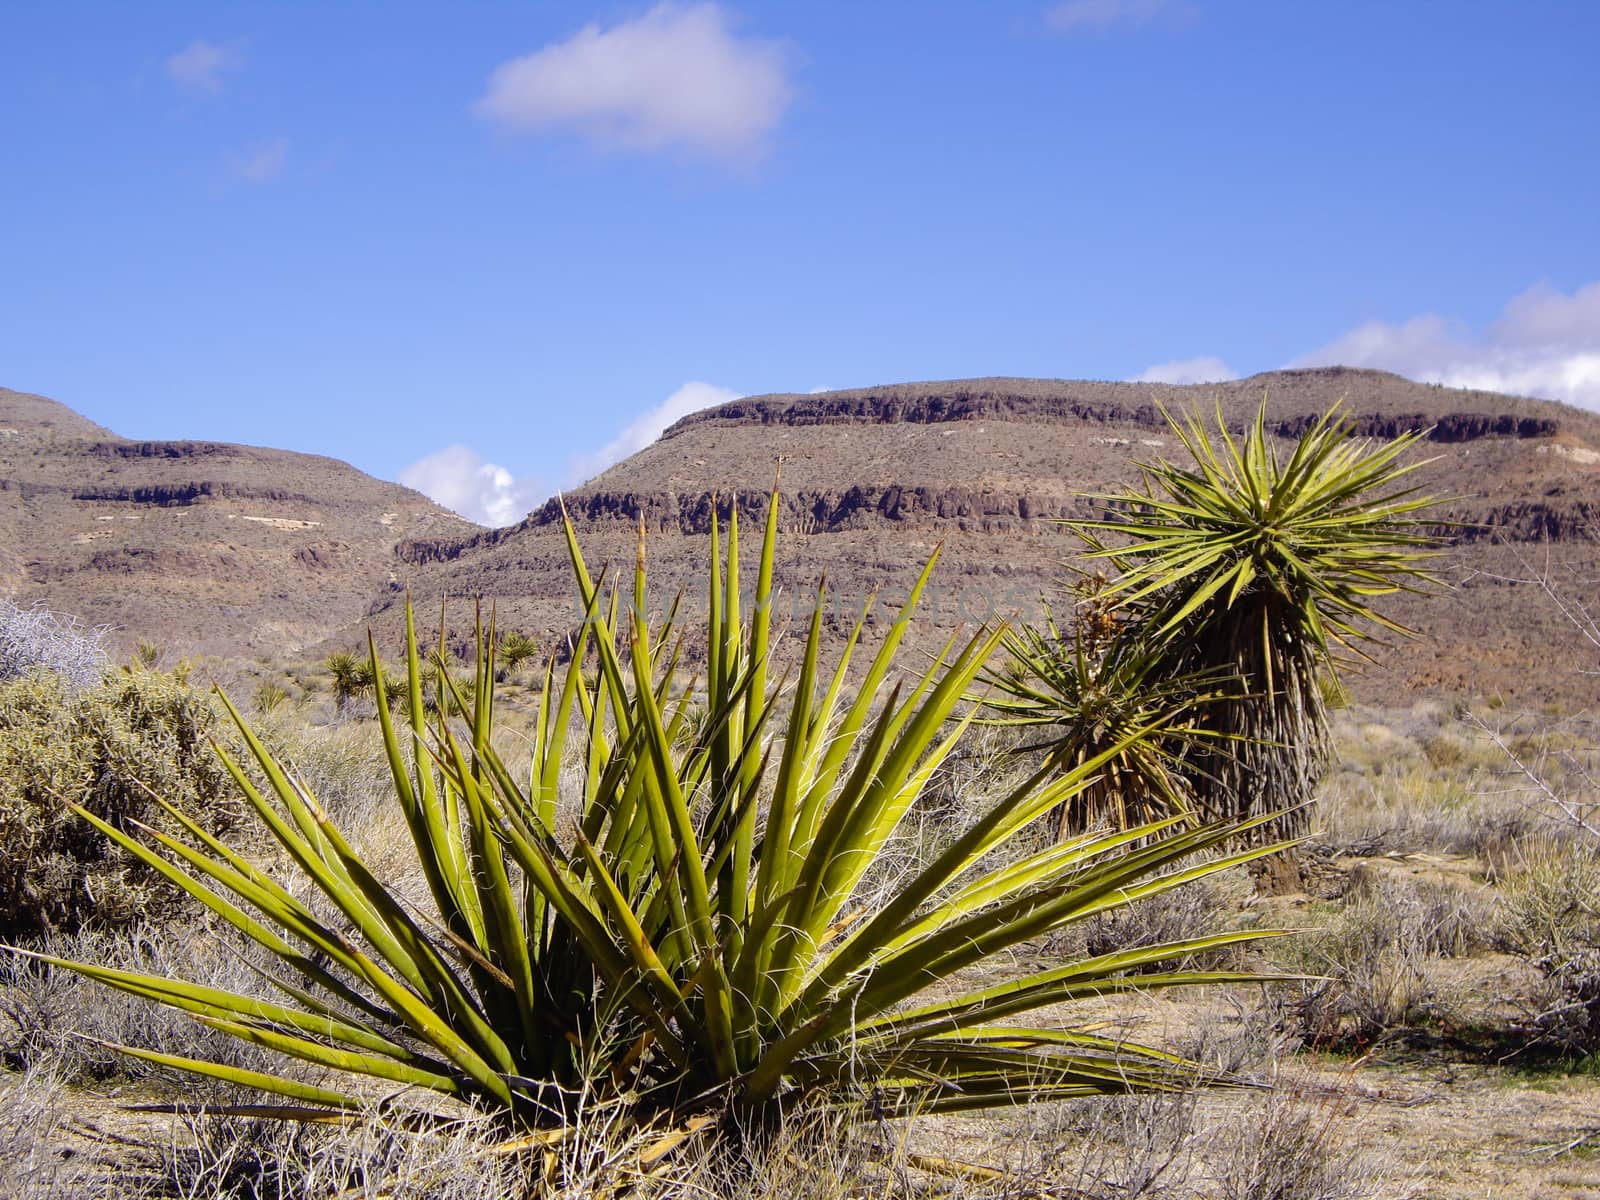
(874,479)
(200,546)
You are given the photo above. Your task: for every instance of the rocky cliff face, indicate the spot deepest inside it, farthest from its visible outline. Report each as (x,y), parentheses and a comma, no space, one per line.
(198,546)
(1003,406)
(874,479)
(233,549)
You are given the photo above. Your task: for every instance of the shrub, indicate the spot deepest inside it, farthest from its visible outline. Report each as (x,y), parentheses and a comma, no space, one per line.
(35,638)
(1093,686)
(33,1114)
(102,748)
(1119,1149)
(516,648)
(1375,954)
(1550,916)
(52,1016)
(268,696)
(1285,1148)
(1188,912)
(663,953)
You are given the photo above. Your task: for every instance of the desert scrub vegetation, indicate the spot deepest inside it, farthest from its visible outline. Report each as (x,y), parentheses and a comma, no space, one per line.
(1239,580)
(1549,915)
(120,747)
(674,941)
(1370,960)
(38,639)
(56,1021)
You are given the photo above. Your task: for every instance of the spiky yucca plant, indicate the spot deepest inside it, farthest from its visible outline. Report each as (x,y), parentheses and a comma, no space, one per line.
(516,648)
(1091,688)
(1264,566)
(680,937)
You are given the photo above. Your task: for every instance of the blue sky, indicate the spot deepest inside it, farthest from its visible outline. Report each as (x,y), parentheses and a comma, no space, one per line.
(489,247)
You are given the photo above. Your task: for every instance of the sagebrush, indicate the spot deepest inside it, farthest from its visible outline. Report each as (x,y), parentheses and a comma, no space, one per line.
(109,748)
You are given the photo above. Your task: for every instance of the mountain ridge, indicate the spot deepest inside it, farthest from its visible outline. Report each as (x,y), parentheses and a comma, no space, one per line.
(873,478)
(200,546)
(240,550)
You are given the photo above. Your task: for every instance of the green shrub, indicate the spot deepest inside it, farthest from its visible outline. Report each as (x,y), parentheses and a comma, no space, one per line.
(516,648)
(100,747)
(267,696)
(661,952)
(1078,689)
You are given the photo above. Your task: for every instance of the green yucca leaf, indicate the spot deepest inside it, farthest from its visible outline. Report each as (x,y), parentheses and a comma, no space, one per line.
(693,937)
(260,1081)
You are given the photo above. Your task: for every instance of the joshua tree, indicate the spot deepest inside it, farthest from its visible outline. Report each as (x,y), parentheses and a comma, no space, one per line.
(1262,567)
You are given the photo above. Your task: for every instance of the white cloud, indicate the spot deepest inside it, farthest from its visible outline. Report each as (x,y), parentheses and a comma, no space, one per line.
(1543,315)
(672,78)
(1096,16)
(262,162)
(646,428)
(200,65)
(1546,343)
(458,478)
(1205,369)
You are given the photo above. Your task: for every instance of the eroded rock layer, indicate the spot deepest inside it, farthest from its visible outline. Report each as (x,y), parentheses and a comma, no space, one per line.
(873,480)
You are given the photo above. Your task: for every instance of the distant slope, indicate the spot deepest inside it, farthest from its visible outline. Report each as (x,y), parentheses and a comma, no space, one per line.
(200,546)
(874,479)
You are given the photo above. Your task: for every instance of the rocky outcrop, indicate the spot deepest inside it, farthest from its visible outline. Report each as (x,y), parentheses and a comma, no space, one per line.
(1466,427)
(136,560)
(321,556)
(1531,521)
(177,494)
(926,409)
(827,511)
(960,405)
(416,552)
(166,450)
(1451,427)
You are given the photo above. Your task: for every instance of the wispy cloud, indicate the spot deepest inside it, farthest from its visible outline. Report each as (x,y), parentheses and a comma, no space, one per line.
(1546,343)
(647,427)
(1205,369)
(200,66)
(674,78)
(1097,16)
(262,162)
(459,478)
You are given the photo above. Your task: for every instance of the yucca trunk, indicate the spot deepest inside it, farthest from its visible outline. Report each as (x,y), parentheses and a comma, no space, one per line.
(1270,744)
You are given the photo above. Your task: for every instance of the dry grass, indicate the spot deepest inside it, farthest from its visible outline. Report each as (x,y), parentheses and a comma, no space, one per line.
(1550,916)
(1427,867)
(51,1017)
(1295,1144)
